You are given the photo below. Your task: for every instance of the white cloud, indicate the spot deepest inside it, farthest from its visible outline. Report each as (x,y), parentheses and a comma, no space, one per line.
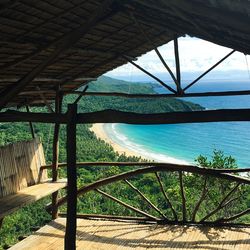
(195,55)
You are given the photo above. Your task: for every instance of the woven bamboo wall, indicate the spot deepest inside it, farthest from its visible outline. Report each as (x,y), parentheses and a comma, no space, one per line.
(20,166)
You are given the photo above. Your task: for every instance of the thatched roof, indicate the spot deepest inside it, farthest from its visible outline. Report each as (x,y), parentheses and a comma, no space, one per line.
(50,42)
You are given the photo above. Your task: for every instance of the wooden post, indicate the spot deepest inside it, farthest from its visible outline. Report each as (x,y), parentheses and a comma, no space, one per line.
(31,125)
(177,63)
(70,235)
(58,107)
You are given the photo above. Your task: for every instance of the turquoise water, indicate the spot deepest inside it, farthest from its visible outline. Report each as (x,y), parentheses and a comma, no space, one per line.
(184,142)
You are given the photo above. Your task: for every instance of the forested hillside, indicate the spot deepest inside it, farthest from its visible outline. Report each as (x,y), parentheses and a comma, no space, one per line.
(89,148)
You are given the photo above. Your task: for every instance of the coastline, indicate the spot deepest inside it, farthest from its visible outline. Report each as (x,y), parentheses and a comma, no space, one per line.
(100,133)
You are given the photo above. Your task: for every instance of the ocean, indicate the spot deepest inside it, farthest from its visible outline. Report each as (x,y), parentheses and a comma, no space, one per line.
(182,143)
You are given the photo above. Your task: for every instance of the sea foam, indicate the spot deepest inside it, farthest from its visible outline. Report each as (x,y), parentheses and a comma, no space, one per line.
(125,142)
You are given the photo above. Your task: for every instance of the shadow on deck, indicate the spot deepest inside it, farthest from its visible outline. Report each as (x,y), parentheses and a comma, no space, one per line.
(101,234)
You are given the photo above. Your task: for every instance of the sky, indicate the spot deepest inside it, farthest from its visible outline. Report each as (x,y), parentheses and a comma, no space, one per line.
(196,56)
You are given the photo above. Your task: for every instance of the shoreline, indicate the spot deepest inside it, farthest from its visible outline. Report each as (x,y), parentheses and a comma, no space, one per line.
(97,128)
(100,133)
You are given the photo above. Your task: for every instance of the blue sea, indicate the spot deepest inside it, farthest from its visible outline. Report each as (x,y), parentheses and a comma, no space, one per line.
(182,143)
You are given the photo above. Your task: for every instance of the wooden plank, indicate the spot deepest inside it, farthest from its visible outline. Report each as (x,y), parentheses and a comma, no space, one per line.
(118,235)
(70,234)
(12,203)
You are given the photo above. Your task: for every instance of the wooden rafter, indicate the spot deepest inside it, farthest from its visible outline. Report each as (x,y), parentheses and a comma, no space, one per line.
(210,69)
(149,74)
(143,32)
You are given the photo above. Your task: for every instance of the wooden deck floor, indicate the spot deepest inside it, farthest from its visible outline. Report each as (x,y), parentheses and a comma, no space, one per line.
(98,234)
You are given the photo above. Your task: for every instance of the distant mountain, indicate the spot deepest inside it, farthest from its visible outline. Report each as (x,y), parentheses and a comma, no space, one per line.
(139,105)
(108,84)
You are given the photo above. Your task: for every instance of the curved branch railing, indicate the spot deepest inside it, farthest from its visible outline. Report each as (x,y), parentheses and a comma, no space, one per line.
(157,168)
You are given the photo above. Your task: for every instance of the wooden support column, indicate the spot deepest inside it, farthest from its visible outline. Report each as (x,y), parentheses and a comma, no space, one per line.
(177,63)
(31,125)
(58,107)
(70,235)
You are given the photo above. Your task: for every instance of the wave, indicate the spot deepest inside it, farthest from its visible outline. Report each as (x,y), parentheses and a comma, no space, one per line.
(125,142)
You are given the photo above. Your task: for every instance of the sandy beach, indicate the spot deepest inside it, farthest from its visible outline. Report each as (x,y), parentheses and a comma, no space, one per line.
(100,133)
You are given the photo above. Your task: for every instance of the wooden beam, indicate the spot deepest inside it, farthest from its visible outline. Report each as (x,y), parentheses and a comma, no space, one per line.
(30,124)
(177,65)
(70,233)
(63,44)
(113,116)
(143,32)
(58,109)
(207,71)
(149,74)
(183,95)
(81,95)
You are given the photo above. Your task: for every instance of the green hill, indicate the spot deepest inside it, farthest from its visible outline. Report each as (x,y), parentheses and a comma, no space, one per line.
(139,105)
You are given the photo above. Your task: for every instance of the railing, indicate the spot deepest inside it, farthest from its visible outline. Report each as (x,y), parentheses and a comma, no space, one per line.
(202,195)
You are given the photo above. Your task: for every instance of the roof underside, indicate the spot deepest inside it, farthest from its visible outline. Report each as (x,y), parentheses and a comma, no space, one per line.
(68,42)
